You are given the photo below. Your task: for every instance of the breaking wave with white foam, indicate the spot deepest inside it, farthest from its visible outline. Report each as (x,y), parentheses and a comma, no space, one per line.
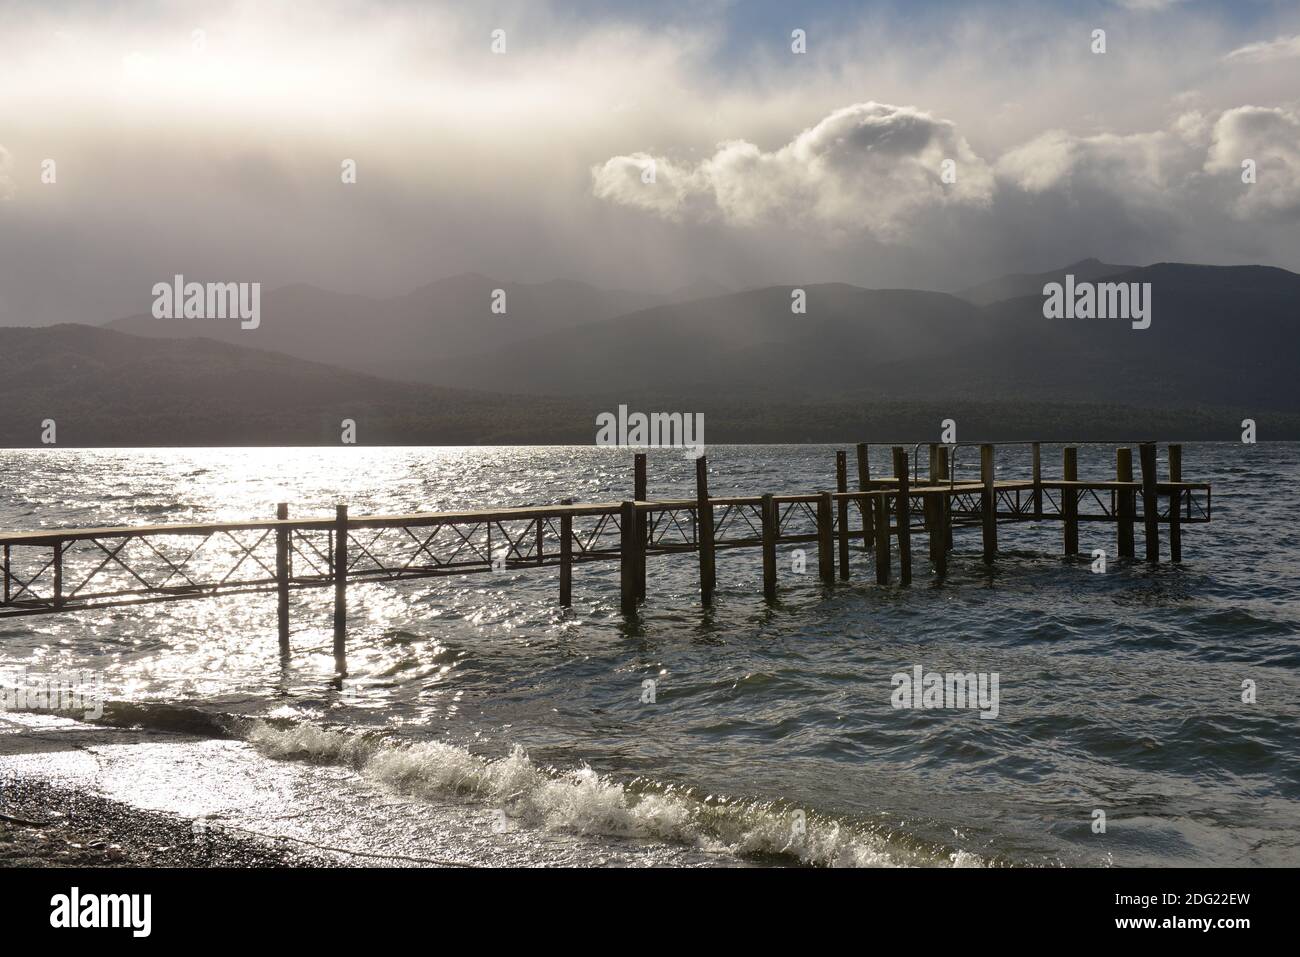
(581,801)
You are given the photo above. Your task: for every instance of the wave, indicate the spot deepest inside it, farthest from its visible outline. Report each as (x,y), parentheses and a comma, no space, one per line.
(581,801)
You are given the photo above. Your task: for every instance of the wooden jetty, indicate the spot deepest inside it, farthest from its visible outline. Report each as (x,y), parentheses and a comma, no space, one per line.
(66,570)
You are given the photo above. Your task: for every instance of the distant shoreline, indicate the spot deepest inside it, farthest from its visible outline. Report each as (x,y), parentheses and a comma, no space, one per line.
(841,442)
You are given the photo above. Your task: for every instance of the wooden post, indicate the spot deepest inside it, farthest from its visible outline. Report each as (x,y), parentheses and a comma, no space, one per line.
(1038,481)
(989,503)
(864,481)
(282,579)
(825,538)
(882,537)
(931,500)
(1070,500)
(642,522)
(842,510)
(945,504)
(58,573)
(627,557)
(566,557)
(7,594)
(704,530)
(1126,503)
(1150,502)
(940,534)
(928,499)
(770,520)
(903,515)
(1175,504)
(340,590)
(639,476)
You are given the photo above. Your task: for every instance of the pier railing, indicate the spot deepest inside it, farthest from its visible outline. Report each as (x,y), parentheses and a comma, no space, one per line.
(52,571)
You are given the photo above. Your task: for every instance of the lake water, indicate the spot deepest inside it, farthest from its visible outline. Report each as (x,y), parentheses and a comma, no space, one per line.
(772,737)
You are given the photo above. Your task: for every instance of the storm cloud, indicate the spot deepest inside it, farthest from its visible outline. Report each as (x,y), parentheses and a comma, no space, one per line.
(208,141)
(868,167)
(872,168)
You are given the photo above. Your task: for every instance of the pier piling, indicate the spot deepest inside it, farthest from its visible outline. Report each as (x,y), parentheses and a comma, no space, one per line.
(627,581)
(938,534)
(842,510)
(903,515)
(282,579)
(340,590)
(58,573)
(704,530)
(770,520)
(1036,476)
(1150,501)
(825,538)
(566,557)
(941,538)
(881,520)
(945,510)
(1070,500)
(945,475)
(865,506)
(929,499)
(1127,502)
(989,504)
(640,493)
(1175,504)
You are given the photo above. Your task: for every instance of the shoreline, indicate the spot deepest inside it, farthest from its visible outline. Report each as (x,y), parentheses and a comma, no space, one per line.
(97,795)
(45,825)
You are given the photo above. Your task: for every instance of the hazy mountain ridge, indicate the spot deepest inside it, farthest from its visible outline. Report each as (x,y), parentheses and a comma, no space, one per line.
(104,388)
(1016,285)
(745,341)
(1221,336)
(442,319)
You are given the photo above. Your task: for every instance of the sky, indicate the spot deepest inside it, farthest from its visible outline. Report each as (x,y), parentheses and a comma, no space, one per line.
(912,143)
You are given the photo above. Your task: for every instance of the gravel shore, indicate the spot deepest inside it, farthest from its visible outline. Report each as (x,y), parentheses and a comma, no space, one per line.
(42,825)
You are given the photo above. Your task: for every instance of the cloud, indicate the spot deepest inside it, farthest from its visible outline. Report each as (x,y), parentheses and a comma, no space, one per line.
(1266,51)
(246,136)
(1145,5)
(652,184)
(1139,165)
(1196,162)
(872,170)
(6,183)
(1194,166)
(868,168)
(1270,137)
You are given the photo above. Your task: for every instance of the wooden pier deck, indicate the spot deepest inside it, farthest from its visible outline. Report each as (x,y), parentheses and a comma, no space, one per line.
(54,571)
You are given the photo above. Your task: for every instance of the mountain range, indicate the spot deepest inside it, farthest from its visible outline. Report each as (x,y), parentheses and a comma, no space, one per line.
(444,319)
(1031,284)
(1219,334)
(436,365)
